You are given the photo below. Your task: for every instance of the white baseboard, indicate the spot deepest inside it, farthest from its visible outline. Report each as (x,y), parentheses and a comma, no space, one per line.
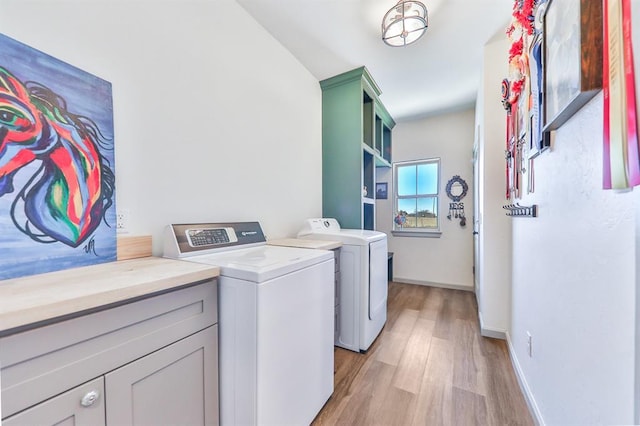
(524,386)
(496,334)
(491,332)
(432,284)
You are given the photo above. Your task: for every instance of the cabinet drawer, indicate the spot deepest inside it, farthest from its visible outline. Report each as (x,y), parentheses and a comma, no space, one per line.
(46,361)
(83,405)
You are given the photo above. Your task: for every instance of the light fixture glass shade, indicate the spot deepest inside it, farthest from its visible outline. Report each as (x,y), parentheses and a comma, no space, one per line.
(404,23)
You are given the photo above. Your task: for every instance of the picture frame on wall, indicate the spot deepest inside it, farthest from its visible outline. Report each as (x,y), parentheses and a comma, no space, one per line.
(538,140)
(572,60)
(381,191)
(57,189)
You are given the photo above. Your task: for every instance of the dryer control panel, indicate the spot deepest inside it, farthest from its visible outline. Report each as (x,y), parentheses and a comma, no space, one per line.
(320,225)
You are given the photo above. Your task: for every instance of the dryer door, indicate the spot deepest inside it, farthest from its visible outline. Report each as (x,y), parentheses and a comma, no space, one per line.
(378,284)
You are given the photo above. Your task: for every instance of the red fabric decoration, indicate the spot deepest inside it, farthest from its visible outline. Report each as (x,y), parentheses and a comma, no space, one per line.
(522,17)
(516,90)
(523,14)
(516,49)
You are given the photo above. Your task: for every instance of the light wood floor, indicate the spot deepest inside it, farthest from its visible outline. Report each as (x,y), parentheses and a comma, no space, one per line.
(429,366)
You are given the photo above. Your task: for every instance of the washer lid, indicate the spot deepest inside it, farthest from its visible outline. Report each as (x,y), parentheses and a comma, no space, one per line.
(263,263)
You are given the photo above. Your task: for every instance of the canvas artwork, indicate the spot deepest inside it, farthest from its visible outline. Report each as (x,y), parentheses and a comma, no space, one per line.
(57,182)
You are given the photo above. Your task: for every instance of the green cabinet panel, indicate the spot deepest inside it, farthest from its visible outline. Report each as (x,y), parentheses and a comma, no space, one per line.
(356,138)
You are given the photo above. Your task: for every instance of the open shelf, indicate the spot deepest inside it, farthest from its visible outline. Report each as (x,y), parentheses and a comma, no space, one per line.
(367,119)
(368,173)
(386,143)
(368,216)
(379,137)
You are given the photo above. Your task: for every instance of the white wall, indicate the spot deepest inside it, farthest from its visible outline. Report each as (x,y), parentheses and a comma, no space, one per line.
(446,261)
(214,120)
(574,283)
(494,227)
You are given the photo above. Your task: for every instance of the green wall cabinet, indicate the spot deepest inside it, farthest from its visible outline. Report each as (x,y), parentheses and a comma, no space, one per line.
(356,138)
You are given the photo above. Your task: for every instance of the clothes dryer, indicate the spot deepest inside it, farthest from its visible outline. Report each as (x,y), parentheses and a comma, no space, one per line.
(363,281)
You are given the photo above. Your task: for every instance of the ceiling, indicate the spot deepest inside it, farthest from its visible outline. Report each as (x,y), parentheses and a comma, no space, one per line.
(439,73)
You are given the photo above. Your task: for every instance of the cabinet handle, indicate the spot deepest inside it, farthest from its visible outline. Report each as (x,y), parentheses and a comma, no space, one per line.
(89,399)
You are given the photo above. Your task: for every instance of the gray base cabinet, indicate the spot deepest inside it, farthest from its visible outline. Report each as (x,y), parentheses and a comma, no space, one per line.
(150,362)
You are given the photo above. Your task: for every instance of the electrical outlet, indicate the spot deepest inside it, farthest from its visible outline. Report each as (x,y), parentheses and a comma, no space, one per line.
(529,345)
(122,221)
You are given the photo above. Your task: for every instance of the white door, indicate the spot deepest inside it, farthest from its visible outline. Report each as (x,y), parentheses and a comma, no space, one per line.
(476,214)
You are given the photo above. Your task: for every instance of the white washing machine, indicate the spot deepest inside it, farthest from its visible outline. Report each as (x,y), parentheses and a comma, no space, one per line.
(276,310)
(363,281)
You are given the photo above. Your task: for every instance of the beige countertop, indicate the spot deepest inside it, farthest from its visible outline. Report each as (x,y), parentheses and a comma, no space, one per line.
(305,243)
(43,297)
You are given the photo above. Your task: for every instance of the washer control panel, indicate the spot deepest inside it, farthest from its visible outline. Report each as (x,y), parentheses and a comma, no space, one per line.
(191,239)
(201,237)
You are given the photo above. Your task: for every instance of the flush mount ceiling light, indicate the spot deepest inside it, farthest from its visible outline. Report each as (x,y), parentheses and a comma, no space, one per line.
(404,23)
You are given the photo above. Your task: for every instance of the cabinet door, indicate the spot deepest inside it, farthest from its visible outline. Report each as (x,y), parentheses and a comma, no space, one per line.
(176,385)
(83,405)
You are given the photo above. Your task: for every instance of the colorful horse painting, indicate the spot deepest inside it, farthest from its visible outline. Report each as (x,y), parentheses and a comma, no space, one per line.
(57,184)
(66,198)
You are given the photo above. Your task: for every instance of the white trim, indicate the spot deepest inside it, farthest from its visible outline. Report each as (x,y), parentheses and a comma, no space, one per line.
(524,386)
(495,333)
(422,234)
(432,284)
(435,232)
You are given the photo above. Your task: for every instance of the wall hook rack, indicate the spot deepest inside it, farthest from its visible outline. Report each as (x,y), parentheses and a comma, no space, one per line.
(523,211)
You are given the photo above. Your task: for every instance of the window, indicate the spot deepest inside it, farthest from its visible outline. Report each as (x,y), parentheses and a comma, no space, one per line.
(416,186)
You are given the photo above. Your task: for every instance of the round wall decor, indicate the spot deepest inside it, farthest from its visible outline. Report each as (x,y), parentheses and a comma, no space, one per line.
(457,188)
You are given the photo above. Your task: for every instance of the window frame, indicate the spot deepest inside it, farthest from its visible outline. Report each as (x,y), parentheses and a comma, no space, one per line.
(434,232)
